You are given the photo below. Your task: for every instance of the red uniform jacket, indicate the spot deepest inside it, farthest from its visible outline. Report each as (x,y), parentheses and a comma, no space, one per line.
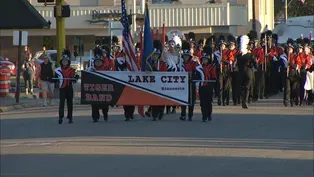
(162,66)
(104,67)
(209,73)
(259,54)
(67,72)
(305,60)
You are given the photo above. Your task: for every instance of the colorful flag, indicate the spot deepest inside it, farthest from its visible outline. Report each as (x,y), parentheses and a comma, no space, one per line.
(127,41)
(148,49)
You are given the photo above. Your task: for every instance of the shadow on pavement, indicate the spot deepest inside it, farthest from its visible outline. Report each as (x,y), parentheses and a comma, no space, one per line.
(52,165)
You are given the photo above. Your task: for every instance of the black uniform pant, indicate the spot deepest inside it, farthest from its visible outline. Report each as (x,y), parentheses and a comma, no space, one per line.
(234,84)
(206,96)
(291,89)
(192,98)
(246,82)
(66,94)
(225,81)
(302,83)
(252,87)
(256,92)
(129,112)
(95,111)
(157,111)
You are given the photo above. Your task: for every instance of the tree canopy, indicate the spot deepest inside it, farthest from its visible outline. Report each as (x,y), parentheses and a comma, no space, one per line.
(296,8)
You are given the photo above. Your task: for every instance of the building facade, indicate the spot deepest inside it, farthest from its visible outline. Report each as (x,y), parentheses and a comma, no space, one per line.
(90,21)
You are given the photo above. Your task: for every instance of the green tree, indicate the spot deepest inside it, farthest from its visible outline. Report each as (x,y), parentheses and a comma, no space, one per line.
(295,9)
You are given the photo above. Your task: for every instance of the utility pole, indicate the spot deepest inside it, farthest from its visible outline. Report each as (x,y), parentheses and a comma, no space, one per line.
(60,30)
(286,11)
(134,18)
(253,16)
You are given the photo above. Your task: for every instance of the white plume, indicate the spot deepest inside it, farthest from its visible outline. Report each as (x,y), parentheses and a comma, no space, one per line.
(177,40)
(244,41)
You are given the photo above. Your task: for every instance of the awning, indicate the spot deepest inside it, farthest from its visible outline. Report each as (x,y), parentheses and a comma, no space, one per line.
(20,14)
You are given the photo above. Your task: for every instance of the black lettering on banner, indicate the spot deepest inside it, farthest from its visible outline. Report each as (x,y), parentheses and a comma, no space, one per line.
(182,79)
(142,79)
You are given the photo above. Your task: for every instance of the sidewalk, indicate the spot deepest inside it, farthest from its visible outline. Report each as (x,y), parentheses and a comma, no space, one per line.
(29,101)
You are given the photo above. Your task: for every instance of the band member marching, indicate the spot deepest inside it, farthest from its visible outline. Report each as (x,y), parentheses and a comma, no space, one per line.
(99,64)
(158,65)
(291,64)
(246,62)
(206,89)
(116,51)
(172,57)
(304,52)
(121,65)
(220,59)
(66,76)
(195,69)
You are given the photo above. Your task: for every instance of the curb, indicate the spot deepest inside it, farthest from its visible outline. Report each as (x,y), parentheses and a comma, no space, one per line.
(19,106)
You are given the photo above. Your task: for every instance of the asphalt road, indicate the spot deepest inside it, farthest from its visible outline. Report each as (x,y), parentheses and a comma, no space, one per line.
(268,140)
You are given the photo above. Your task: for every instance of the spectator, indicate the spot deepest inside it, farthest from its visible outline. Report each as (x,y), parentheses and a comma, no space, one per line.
(45,74)
(28,73)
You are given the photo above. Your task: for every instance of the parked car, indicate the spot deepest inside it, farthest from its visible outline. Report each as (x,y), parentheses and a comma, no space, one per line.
(52,55)
(7,63)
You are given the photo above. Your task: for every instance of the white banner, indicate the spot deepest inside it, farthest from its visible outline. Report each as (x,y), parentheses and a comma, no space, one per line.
(169,87)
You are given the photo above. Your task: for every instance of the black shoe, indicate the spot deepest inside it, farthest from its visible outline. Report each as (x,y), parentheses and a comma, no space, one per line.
(227,103)
(127,119)
(154,118)
(261,97)
(70,121)
(173,111)
(60,121)
(223,104)
(291,104)
(161,115)
(219,102)
(190,119)
(167,111)
(132,117)
(106,118)
(95,120)
(182,118)
(204,119)
(244,106)
(235,104)
(210,118)
(147,114)
(285,103)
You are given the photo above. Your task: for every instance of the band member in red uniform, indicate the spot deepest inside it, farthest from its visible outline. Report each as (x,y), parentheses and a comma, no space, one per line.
(99,64)
(303,55)
(221,58)
(206,89)
(138,55)
(291,64)
(199,50)
(193,67)
(108,61)
(65,73)
(116,51)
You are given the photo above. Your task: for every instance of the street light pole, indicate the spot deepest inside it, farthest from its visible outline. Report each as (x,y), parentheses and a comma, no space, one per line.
(286,11)
(253,16)
(60,30)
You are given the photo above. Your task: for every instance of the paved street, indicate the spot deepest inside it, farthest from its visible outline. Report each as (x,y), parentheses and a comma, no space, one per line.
(268,140)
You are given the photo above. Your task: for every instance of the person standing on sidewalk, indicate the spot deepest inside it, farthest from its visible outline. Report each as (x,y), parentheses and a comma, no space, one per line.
(45,75)
(28,74)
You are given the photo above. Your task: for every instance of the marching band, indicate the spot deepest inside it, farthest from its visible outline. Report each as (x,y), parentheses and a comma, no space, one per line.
(248,68)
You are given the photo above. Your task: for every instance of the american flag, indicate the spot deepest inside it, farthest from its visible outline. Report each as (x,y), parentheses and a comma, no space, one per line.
(127,41)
